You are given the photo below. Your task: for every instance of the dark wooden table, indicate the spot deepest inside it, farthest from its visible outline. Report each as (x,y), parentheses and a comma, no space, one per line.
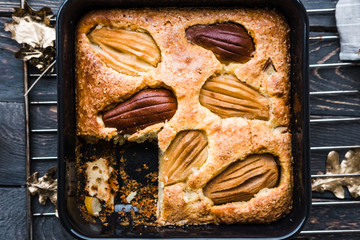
(43,152)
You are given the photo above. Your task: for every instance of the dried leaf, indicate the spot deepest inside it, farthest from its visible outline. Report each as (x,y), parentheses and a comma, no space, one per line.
(33,29)
(350,164)
(39,58)
(45,187)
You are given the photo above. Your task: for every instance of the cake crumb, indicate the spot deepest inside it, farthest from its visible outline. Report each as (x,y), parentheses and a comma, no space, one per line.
(130,197)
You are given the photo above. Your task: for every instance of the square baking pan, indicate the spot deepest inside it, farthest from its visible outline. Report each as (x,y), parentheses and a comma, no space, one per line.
(68,179)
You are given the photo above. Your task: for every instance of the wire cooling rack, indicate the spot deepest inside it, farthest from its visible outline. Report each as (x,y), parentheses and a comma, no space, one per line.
(306,233)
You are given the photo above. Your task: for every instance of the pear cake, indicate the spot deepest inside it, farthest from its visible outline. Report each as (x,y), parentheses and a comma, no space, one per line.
(212,87)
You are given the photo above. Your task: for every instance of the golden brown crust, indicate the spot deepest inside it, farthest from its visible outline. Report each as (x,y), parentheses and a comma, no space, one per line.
(184,68)
(184,206)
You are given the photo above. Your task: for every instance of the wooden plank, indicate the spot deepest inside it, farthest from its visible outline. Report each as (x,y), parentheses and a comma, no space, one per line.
(47,228)
(12,144)
(39,208)
(8,5)
(332,78)
(334,133)
(43,116)
(318,161)
(316,4)
(53,4)
(344,236)
(11,69)
(42,166)
(322,21)
(335,105)
(44,90)
(13,213)
(324,50)
(339,217)
(43,144)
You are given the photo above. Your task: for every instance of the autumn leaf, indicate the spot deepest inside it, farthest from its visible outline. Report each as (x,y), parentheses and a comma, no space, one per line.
(33,29)
(350,164)
(45,187)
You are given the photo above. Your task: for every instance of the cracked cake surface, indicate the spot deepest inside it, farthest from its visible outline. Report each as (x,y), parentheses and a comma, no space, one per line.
(230,118)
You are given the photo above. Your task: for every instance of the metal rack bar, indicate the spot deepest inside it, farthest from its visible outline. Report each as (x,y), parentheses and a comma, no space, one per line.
(324,10)
(341,64)
(335,120)
(44,130)
(329,231)
(40,76)
(335,175)
(44,214)
(335,203)
(44,103)
(324,37)
(334,92)
(44,158)
(334,147)
(45,75)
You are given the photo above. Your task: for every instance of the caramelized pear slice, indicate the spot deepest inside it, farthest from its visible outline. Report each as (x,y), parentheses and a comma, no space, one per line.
(187,152)
(145,108)
(230,42)
(241,180)
(125,51)
(227,97)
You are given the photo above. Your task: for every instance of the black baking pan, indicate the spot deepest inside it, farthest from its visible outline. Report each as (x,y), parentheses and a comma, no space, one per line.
(69,213)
